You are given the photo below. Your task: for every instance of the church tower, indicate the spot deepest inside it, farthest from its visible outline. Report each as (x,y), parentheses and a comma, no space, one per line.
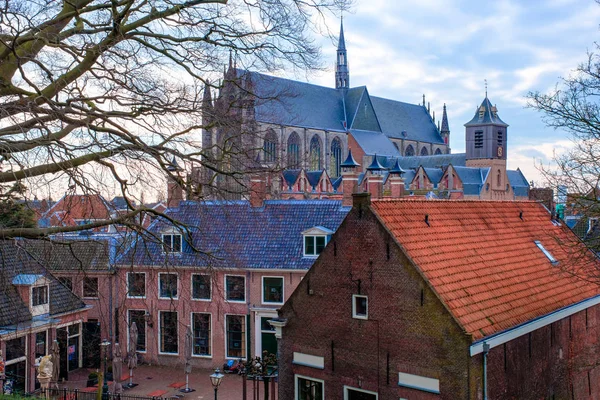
(342,73)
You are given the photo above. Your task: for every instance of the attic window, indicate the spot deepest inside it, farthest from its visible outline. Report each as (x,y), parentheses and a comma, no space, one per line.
(39,296)
(553,260)
(171,243)
(315,240)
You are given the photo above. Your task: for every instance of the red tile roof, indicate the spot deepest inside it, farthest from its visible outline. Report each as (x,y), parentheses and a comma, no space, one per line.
(481,259)
(78,207)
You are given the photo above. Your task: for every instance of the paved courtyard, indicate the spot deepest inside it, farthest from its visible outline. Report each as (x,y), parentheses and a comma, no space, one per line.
(166,382)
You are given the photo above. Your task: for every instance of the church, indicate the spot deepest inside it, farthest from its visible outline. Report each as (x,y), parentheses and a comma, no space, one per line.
(302,133)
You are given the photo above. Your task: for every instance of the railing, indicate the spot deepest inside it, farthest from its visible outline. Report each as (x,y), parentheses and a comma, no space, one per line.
(78,394)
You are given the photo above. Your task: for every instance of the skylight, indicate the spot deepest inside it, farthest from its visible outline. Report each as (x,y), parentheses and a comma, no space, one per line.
(553,260)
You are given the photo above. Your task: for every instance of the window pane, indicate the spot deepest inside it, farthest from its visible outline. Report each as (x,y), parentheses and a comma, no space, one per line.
(168,332)
(309,245)
(90,287)
(139,317)
(265,325)
(136,283)
(360,306)
(39,295)
(40,344)
(235,288)
(201,287)
(15,348)
(320,244)
(168,285)
(201,330)
(176,244)
(309,390)
(236,329)
(273,290)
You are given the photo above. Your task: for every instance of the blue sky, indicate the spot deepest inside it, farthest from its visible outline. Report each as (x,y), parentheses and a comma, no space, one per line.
(446,48)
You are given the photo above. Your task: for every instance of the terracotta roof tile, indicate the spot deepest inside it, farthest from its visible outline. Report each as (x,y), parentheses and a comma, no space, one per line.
(482,260)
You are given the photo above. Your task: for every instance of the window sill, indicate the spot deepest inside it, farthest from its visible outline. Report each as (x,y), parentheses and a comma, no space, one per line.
(168,354)
(272,303)
(168,298)
(90,297)
(363,317)
(136,297)
(204,300)
(236,301)
(205,357)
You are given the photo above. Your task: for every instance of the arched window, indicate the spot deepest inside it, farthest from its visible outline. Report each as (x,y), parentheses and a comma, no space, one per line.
(315,154)
(293,149)
(438,152)
(336,157)
(410,151)
(270,146)
(424,151)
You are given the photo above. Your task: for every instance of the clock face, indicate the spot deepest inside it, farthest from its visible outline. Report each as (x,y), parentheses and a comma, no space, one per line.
(499,151)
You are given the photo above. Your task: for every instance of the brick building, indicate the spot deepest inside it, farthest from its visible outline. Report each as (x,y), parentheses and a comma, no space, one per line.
(418,299)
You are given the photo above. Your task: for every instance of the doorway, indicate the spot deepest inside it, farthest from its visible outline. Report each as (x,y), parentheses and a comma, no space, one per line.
(91,344)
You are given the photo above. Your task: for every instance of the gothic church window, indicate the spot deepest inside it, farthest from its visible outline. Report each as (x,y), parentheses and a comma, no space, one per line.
(336,157)
(410,151)
(438,152)
(270,146)
(293,149)
(315,154)
(424,151)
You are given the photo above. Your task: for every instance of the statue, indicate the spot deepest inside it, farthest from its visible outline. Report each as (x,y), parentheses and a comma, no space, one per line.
(45,373)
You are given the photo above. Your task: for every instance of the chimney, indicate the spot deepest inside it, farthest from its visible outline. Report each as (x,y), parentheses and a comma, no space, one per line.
(375,178)
(174,187)
(397,181)
(258,190)
(349,178)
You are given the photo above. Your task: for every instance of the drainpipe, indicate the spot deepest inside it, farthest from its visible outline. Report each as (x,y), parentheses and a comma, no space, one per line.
(486,349)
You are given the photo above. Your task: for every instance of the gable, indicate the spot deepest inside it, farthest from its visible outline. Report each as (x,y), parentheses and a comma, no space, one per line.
(364,116)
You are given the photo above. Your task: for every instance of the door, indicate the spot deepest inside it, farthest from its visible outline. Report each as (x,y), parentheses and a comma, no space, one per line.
(91,344)
(267,336)
(61,336)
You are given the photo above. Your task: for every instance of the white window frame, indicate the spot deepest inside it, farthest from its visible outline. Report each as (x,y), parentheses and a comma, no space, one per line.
(296,376)
(176,286)
(348,388)
(212,349)
(245,292)
(262,291)
(145,329)
(160,333)
(245,357)
(43,308)
(145,285)
(97,287)
(315,244)
(192,288)
(172,234)
(354,314)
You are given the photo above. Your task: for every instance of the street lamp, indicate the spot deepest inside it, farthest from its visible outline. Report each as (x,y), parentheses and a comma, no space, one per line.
(105,343)
(215,379)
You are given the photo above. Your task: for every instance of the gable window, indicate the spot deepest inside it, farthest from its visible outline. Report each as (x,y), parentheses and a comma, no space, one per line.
(314,245)
(168,332)
(360,306)
(167,285)
(136,284)
(66,282)
(309,388)
(90,287)
(39,296)
(200,287)
(171,243)
(479,139)
(139,317)
(201,330)
(235,327)
(272,289)
(235,288)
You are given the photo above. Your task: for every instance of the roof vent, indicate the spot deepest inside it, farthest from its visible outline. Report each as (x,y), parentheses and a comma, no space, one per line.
(427,219)
(521,215)
(539,244)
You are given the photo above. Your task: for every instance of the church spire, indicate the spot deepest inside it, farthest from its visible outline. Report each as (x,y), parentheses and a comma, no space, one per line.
(445,129)
(342,73)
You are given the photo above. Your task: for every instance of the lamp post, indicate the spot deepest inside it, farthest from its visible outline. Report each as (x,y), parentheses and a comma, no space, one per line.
(105,343)
(215,379)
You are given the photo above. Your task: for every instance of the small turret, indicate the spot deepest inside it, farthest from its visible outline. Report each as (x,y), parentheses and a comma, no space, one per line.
(342,72)
(445,129)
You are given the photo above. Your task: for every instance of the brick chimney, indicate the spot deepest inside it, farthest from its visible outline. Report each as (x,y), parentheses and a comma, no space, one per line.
(375,178)
(258,189)
(396,181)
(174,187)
(349,178)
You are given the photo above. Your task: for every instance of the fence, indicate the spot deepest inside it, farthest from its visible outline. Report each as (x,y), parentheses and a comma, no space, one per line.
(85,394)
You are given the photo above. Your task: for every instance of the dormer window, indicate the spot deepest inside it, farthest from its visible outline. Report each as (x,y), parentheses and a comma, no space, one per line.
(315,240)
(39,296)
(171,243)
(35,290)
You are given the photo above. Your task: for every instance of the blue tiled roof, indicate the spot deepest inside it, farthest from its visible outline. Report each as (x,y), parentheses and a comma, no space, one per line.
(518,183)
(234,234)
(442,160)
(336,183)
(472,179)
(313,178)
(434,174)
(291,176)
(26,279)
(375,143)
(409,175)
(488,116)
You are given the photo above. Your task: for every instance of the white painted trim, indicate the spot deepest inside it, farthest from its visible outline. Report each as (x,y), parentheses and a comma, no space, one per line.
(176,286)
(127,285)
(192,287)
(347,388)
(418,382)
(63,325)
(159,334)
(212,350)
(354,315)
(225,287)
(296,376)
(245,336)
(523,329)
(262,290)
(258,328)
(145,330)
(315,244)
(308,360)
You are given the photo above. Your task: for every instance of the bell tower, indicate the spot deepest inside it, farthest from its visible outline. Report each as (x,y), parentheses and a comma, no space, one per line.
(342,73)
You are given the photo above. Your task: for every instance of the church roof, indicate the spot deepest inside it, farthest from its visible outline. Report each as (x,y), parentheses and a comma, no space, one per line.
(434,174)
(341,41)
(486,114)
(374,143)
(435,161)
(472,179)
(518,183)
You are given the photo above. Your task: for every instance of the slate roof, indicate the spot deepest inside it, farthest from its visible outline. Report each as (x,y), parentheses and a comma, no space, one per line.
(518,183)
(481,260)
(472,179)
(375,143)
(438,161)
(88,255)
(434,174)
(236,235)
(291,176)
(313,178)
(488,116)
(15,261)
(292,103)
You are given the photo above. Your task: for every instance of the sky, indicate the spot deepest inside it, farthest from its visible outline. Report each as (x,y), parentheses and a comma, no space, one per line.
(446,49)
